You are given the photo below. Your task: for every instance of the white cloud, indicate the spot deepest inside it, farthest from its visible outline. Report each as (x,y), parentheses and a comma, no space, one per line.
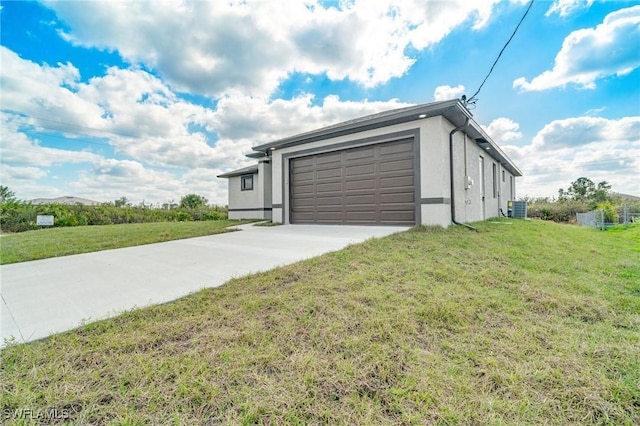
(10,173)
(503,130)
(133,115)
(259,120)
(111,179)
(565,8)
(20,150)
(595,147)
(610,48)
(218,46)
(582,131)
(444,93)
(595,111)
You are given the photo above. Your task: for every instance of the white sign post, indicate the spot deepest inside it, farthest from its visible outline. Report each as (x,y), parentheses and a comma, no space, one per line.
(44,220)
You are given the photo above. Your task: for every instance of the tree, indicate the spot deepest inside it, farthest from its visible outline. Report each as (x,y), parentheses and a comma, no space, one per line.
(584,189)
(192,201)
(6,195)
(121,202)
(581,189)
(602,192)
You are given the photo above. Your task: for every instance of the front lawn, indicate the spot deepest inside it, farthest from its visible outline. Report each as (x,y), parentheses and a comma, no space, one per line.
(45,243)
(523,322)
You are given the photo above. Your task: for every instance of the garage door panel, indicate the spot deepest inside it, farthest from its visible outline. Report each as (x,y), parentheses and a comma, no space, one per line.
(359,154)
(303,189)
(361,217)
(329,201)
(329,158)
(399,218)
(329,187)
(369,200)
(396,165)
(402,215)
(329,173)
(305,202)
(364,185)
(330,216)
(396,182)
(405,146)
(302,163)
(392,198)
(352,185)
(363,169)
(305,216)
(303,177)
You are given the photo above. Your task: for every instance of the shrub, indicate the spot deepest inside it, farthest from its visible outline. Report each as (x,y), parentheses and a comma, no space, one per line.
(557,211)
(18,216)
(610,214)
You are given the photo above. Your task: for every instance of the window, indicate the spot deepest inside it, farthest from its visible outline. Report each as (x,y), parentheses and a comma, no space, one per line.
(246,182)
(481,176)
(511,191)
(495,180)
(503,176)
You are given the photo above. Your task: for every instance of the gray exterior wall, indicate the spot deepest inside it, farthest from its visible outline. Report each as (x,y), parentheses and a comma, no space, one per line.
(251,204)
(474,203)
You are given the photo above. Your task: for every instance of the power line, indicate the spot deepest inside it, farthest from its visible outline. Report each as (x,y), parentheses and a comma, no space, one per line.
(473,99)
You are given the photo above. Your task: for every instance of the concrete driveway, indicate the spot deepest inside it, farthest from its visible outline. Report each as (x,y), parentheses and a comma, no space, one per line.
(44,297)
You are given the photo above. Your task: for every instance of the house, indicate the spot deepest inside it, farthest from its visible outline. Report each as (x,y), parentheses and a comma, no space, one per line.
(429,164)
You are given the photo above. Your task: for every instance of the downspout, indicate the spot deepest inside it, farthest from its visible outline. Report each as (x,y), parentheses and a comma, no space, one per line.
(453,198)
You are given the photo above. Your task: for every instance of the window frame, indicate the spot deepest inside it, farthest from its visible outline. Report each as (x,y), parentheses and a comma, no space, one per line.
(243,182)
(494,173)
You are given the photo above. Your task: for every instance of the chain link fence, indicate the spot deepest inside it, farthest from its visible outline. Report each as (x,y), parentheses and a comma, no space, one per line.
(598,219)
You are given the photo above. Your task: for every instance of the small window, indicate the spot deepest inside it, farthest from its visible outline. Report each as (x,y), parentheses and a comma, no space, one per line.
(246,182)
(503,176)
(494,175)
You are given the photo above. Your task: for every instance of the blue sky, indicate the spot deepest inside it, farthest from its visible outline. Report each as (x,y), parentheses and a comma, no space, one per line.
(151,100)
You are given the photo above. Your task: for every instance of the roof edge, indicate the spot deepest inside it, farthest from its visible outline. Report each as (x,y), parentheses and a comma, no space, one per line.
(240,172)
(363,123)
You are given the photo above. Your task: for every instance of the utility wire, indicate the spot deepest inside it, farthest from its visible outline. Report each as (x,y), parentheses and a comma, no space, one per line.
(473,98)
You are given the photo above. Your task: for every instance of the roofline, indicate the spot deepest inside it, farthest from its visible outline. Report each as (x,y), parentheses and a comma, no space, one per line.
(453,110)
(244,171)
(360,124)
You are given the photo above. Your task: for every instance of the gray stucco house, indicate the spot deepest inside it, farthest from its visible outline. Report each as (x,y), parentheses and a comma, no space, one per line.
(429,164)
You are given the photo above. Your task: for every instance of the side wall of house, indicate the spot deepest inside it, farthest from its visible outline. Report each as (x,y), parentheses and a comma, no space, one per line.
(480,192)
(247,204)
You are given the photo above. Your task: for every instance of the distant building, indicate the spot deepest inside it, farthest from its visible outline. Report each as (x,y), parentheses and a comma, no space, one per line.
(65,200)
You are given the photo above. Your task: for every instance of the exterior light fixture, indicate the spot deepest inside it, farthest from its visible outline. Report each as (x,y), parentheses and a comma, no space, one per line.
(422,116)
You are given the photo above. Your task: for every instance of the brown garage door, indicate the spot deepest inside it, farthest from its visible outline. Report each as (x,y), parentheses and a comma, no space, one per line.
(373,185)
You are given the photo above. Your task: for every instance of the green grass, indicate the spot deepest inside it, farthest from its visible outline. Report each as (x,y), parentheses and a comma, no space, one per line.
(267,223)
(521,323)
(45,243)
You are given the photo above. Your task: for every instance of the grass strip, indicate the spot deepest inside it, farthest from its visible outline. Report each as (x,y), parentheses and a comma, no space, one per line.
(54,242)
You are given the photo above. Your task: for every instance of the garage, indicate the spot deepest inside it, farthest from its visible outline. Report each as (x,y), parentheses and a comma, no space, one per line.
(367,185)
